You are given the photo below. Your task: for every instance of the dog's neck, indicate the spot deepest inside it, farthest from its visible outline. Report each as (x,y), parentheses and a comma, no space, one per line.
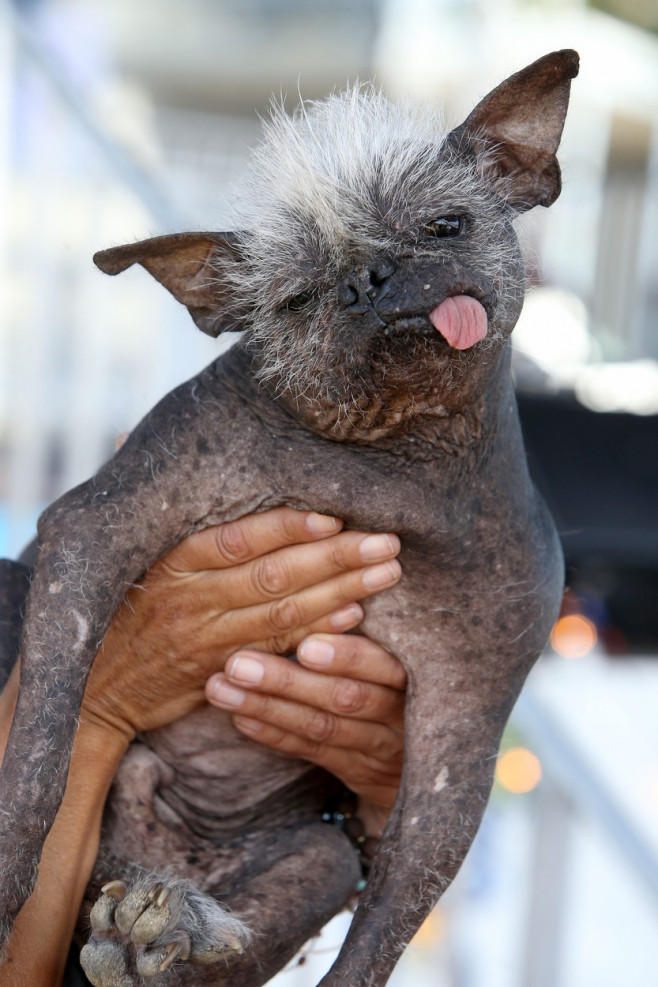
(415,424)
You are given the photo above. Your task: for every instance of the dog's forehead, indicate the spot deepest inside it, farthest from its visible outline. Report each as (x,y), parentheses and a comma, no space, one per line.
(338,159)
(344,173)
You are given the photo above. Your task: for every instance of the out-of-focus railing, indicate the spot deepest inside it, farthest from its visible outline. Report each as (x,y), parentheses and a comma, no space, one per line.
(572,788)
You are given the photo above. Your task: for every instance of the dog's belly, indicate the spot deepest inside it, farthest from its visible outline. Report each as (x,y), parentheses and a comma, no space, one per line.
(217,772)
(197,786)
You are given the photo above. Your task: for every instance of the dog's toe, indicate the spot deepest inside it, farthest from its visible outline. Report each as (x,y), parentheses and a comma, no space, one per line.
(105,963)
(145,914)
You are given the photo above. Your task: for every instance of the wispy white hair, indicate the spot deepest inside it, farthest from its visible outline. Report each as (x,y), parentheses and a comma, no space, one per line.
(355,159)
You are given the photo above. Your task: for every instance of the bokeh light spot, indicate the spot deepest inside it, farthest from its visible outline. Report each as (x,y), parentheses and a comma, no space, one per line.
(574,636)
(518,770)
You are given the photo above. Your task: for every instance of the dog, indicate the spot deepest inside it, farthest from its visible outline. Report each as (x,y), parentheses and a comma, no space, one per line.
(377,279)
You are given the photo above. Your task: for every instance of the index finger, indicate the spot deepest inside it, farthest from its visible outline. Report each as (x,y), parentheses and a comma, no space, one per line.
(224,545)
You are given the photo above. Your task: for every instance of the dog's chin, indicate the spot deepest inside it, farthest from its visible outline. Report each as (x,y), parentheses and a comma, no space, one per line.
(411,345)
(375,385)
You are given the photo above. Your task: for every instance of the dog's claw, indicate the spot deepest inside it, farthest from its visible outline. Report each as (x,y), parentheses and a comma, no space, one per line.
(115,889)
(150,962)
(204,956)
(155,891)
(163,897)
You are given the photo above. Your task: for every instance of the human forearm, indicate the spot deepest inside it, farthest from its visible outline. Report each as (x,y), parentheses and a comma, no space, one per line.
(38,947)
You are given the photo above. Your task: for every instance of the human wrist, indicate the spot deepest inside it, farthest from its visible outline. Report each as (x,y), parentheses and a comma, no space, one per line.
(101,742)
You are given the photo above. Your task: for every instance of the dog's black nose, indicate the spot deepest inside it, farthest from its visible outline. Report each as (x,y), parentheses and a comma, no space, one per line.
(363,286)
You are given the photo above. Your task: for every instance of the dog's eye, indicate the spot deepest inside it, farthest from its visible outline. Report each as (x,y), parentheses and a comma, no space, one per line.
(299,302)
(444,226)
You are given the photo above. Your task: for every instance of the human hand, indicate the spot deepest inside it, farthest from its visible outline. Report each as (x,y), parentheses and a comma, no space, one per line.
(341,706)
(264,581)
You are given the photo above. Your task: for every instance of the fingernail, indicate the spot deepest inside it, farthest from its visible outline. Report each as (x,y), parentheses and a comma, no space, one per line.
(381,575)
(227,695)
(244,669)
(376,547)
(316,652)
(321,524)
(346,618)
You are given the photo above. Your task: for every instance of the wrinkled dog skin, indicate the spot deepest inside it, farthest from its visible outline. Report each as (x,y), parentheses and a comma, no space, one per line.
(377,279)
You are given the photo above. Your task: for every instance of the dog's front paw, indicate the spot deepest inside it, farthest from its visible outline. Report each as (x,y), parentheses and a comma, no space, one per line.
(141,929)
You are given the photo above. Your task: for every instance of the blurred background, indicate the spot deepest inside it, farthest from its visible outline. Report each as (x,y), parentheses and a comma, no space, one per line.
(120,120)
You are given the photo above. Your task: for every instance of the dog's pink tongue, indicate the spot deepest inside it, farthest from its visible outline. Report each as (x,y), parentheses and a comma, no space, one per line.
(461,320)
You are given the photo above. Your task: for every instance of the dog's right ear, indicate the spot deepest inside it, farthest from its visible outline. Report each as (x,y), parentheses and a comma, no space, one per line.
(515,131)
(189,265)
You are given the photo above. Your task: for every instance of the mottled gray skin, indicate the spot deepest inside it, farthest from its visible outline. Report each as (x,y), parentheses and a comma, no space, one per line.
(438,459)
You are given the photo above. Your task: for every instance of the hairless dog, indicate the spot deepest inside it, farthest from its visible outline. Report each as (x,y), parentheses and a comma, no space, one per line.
(377,278)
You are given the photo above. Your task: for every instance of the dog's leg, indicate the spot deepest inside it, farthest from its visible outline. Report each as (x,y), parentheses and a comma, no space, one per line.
(465,672)
(449,763)
(96,541)
(14,587)
(73,597)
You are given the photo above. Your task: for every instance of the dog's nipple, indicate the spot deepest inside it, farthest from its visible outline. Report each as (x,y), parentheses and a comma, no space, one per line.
(461,320)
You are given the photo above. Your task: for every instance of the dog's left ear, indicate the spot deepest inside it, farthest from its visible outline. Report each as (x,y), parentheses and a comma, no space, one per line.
(191,266)
(515,131)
